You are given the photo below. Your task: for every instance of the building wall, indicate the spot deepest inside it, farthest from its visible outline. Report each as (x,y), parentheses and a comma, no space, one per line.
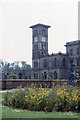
(73,51)
(47,66)
(53,66)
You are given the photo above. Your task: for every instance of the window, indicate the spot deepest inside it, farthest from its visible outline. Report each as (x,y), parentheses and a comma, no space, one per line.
(45,63)
(77,61)
(35,47)
(43,32)
(35,32)
(34,54)
(55,75)
(35,75)
(77,50)
(35,64)
(42,53)
(42,46)
(55,62)
(35,39)
(45,75)
(20,75)
(71,52)
(64,61)
(43,39)
(29,76)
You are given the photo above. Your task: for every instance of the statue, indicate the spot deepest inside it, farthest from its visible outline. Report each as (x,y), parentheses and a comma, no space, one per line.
(71,75)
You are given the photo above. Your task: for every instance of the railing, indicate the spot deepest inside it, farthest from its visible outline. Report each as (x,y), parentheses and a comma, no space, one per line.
(14,83)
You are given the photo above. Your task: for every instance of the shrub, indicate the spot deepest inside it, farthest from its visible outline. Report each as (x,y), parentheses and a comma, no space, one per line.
(13,76)
(59,98)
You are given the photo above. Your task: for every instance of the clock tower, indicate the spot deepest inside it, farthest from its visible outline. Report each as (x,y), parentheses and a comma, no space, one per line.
(39,43)
(39,40)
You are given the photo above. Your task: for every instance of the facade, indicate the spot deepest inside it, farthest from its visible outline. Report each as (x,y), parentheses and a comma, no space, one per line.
(22,74)
(54,66)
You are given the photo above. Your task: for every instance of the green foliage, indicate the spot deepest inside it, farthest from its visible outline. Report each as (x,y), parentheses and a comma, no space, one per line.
(59,98)
(13,76)
(16,65)
(25,66)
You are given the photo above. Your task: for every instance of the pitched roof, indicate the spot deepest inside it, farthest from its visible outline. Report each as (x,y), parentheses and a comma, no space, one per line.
(46,26)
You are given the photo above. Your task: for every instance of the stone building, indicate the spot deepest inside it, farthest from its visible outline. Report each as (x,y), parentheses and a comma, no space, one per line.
(54,66)
(46,66)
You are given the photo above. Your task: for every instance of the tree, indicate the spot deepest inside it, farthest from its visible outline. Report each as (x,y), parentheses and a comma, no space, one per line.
(25,66)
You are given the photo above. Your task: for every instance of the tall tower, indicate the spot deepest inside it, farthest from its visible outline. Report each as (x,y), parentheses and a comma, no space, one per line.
(39,43)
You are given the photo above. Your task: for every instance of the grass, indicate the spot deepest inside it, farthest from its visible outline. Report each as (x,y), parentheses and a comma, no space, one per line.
(9,112)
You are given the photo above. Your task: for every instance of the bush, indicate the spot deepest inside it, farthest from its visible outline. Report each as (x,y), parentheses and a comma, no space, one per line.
(59,98)
(13,76)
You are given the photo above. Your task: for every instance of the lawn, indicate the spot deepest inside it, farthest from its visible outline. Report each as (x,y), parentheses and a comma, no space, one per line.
(9,112)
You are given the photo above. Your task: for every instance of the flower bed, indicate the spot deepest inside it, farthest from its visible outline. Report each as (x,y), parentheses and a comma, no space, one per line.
(58,98)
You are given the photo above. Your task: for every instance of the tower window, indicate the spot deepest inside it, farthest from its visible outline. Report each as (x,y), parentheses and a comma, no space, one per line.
(35,47)
(35,32)
(44,46)
(43,32)
(71,52)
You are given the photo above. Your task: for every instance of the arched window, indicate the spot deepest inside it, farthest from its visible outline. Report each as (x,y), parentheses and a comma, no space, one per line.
(20,75)
(45,75)
(55,75)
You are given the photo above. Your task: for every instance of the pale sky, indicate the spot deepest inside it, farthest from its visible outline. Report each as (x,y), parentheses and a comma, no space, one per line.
(18,15)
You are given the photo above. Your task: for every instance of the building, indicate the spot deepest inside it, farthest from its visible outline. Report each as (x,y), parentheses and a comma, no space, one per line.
(54,66)
(46,66)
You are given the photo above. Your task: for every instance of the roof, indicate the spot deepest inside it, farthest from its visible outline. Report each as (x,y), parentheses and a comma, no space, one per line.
(46,26)
(77,42)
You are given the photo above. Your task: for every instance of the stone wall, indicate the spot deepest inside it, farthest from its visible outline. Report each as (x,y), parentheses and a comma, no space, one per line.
(14,83)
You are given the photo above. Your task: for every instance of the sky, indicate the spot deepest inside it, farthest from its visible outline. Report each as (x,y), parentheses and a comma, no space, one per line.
(16,16)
